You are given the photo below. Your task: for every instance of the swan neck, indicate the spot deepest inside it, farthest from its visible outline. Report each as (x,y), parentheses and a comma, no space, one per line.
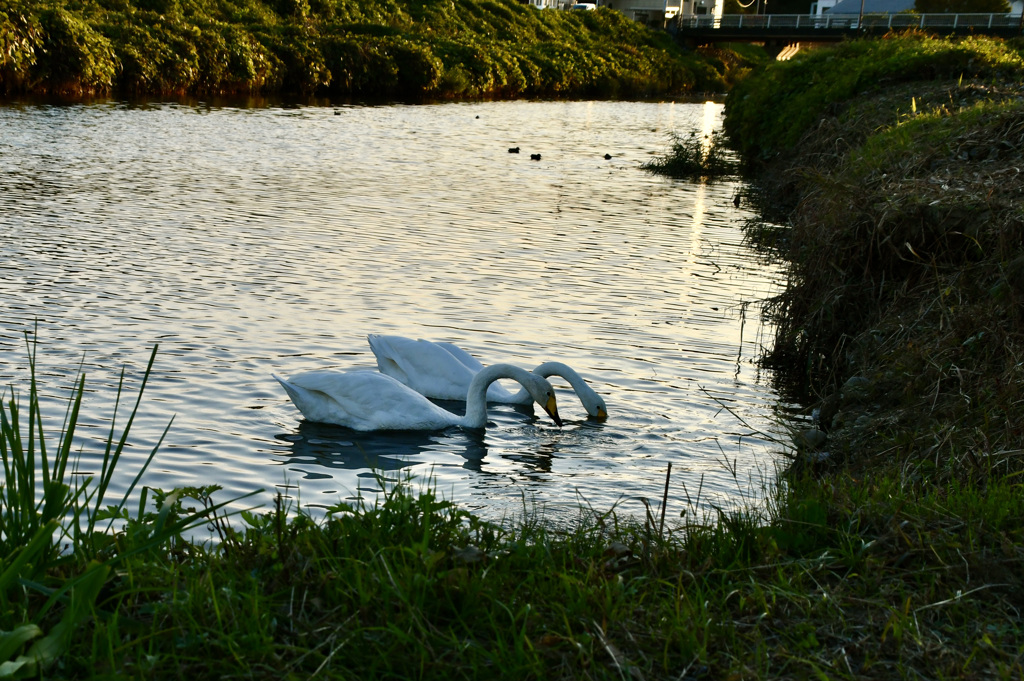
(476,397)
(548,369)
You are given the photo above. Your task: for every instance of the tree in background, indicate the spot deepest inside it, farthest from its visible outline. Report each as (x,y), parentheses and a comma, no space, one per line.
(961,6)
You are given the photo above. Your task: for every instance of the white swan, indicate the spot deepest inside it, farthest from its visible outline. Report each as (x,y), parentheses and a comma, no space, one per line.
(444,371)
(367,400)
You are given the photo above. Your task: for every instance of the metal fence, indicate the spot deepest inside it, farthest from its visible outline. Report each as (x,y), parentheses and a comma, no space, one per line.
(852,21)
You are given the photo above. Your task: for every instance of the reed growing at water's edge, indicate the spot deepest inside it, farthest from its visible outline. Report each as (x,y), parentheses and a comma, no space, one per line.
(412,586)
(434,49)
(694,157)
(58,540)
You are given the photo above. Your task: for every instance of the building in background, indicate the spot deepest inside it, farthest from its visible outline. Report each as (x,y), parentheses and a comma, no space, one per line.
(658,13)
(822,6)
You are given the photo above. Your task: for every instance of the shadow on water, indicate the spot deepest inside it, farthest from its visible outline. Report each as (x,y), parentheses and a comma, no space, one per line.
(334,447)
(319,447)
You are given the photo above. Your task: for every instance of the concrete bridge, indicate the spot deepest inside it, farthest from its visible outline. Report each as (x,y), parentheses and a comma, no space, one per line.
(781,29)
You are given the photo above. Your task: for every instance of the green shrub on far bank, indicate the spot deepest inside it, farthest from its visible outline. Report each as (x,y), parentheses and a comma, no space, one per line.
(368,48)
(75,57)
(21,38)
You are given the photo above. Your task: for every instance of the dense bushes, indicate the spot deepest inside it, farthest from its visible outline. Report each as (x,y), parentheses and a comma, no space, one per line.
(21,37)
(367,48)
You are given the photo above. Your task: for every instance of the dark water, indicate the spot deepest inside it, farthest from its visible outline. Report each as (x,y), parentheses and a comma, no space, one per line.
(251,241)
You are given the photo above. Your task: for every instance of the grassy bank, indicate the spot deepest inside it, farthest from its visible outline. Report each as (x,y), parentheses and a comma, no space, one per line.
(890,172)
(423,49)
(903,312)
(895,166)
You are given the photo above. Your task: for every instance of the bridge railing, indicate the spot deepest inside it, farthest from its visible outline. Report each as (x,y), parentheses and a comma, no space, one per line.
(851,21)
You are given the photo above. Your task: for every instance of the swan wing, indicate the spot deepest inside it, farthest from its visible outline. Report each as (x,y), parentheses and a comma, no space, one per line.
(495,393)
(364,400)
(429,368)
(458,353)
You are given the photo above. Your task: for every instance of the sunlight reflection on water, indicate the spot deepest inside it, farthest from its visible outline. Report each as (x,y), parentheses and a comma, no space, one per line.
(251,241)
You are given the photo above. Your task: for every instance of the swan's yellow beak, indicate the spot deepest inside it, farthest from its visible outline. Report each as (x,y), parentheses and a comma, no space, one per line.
(552,409)
(602,415)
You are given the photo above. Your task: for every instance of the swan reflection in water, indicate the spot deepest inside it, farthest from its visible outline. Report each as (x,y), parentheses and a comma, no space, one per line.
(330,446)
(316,448)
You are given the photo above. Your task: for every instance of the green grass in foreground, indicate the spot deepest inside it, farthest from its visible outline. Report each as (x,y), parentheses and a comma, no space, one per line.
(47,592)
(855,579)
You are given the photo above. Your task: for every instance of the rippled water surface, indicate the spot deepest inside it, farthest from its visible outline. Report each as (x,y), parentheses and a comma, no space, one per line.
(246,241)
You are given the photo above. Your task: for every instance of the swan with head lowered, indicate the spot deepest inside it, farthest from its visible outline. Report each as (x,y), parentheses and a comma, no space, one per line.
(367,400)
(444,371)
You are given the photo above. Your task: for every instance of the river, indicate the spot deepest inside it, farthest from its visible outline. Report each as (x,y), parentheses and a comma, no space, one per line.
(250,240)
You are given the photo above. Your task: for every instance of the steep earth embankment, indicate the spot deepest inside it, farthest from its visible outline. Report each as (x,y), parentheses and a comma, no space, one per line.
(898,166)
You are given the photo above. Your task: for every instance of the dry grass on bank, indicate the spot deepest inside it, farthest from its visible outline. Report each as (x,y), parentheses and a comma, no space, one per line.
(909,274)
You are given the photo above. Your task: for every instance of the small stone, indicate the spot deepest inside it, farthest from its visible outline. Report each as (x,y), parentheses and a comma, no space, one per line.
(617,550)
(856,389)
(827,411)
(470,554)
(812,438)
